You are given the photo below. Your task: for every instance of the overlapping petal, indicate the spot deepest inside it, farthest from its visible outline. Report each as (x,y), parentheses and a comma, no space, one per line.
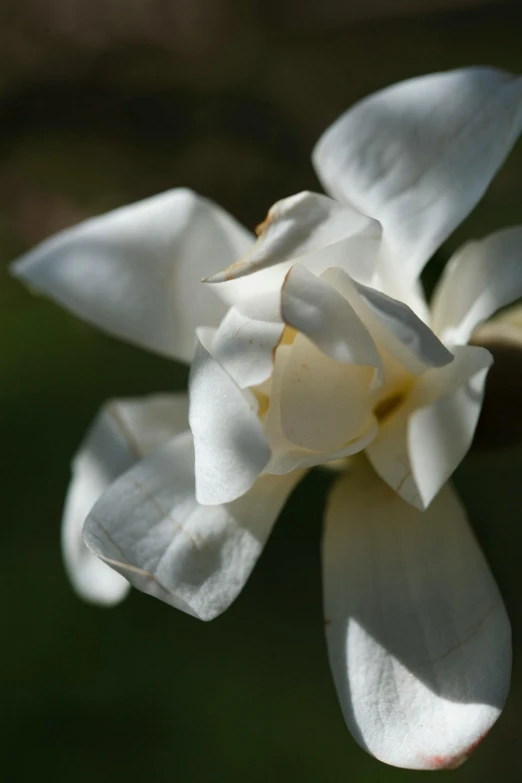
(317,310)
(150,527)
(136,272)
(481,278)
(300,225)
(288,456)
(244,345)
(247,337)
(421,443)
(419,155)
(230,445)
(392,324)
(418,637)
(123,433)
(306,364)
(324,404)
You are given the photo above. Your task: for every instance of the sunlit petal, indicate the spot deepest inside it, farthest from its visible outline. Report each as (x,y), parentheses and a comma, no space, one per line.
(418,637)
(422,442)
(296,227)
(481,278)
(150,527)
(136,272)
(419,155)
(231,448)
(123,432)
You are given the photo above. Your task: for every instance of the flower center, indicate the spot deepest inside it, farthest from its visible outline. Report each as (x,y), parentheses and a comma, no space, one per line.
(386,407)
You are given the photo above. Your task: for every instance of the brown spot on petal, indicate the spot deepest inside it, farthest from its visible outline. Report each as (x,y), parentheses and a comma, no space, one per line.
(233,269)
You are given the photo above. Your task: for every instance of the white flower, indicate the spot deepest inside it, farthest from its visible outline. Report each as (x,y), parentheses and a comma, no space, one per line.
(315,345)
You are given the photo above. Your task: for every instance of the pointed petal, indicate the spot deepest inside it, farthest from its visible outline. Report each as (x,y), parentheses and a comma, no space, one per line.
(420,445)
(419,155)
(136,272)
(231,448)
(150,527)
(418,637)
(123,432)
(481,278)
(295,227)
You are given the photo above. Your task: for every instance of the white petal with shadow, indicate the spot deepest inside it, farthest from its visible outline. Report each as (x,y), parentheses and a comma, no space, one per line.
(482,277)
(424,440)
(136,272)
(123,432)
(230,445)
(392,324)
(418,637)
(149,527)
(296,227)
(419,155)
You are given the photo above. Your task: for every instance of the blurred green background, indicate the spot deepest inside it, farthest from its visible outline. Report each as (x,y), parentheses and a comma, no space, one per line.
(105,103)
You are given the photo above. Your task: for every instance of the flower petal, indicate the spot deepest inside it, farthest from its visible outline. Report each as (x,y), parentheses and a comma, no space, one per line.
(317,310)
(420,445)
(418,637)
(324,404)
(123,432)
(287,456)
(230,446)
(393,325)
(297,226)
(150,527)
(245,346)
(247,337)
(136,272)
(419,155)
(480,278)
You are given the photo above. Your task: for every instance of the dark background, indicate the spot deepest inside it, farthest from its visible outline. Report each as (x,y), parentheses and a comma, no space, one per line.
(106,102)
